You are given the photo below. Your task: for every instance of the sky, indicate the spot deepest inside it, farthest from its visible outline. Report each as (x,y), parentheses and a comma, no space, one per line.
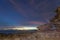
(27,12)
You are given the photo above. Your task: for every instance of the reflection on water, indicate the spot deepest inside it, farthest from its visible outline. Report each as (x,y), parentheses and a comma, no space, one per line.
(16,31)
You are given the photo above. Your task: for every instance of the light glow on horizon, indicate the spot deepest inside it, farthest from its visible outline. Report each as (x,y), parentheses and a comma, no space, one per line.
(20,28)
(25,28)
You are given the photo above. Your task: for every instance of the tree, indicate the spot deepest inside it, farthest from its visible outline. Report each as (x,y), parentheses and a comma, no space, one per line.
(56,20)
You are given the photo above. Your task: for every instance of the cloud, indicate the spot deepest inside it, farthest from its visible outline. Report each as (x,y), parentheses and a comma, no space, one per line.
(35,10)
(32,9)
(18,7)
(36,22)
(31,1)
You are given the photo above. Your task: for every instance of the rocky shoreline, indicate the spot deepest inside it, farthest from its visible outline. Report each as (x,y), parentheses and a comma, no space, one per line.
(51,35)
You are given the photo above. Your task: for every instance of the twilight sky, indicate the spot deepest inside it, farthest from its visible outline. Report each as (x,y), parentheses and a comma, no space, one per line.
(27,12)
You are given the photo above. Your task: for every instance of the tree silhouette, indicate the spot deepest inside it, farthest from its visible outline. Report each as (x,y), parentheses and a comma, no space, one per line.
(56,20)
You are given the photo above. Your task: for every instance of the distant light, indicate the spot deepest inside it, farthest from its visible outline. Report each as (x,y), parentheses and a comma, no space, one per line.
(25,28)
(20,28)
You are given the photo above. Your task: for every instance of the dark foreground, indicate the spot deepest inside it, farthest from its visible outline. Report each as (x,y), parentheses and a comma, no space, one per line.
(51,35)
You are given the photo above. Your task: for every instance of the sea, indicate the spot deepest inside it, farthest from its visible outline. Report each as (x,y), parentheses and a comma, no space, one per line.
(16,31)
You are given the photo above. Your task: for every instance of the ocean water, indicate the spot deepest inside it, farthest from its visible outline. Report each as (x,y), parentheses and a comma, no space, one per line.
(16,31)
